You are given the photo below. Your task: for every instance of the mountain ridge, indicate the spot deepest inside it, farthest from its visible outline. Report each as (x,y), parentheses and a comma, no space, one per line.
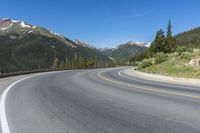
(125,51)
(189,38)
(26,47)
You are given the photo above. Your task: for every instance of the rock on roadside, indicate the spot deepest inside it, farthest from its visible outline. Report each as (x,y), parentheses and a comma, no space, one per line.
(194,62)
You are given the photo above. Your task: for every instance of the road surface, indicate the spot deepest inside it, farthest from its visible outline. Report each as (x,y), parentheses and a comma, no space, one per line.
(97,101)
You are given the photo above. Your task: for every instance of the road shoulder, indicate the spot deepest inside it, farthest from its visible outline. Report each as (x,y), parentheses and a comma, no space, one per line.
(161,78)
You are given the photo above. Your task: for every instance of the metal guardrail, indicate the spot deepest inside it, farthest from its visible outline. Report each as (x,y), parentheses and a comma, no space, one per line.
(3,75)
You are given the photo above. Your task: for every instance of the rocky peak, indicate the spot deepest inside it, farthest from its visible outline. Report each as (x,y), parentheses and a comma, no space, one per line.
(84,44)
(5,23)
(142,44)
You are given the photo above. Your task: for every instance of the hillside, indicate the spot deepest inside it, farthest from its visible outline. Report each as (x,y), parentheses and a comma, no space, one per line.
(178,64)
(182,60)
(189,38)
(125,51)
(26,47)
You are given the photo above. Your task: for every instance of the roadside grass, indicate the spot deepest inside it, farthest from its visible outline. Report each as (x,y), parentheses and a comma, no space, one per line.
(176,65)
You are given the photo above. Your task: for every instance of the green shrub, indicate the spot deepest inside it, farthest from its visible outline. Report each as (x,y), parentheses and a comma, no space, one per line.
(186,55)
(181,49)
(190,50)
(145,63)
(160,57)
(173,55)
(196,52)
(137,63)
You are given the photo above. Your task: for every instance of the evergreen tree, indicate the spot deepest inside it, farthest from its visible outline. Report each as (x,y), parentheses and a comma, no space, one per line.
(158,43)
(169,30)
(61,65)
(55,63)
(170,43)
(90,63)
(67,63)
(163,44)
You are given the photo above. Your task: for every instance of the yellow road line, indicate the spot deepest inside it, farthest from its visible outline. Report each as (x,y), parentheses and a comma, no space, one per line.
(146,89)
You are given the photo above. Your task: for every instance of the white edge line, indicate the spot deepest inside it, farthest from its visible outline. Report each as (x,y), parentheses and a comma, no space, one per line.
(120,74)
(160,82)
(152,90)
(4,121)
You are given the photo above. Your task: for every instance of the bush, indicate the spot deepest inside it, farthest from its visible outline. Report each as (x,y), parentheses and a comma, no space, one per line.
(181,49)
(173,55)
(196,52)
(186,55)
(160,57)
(145,63)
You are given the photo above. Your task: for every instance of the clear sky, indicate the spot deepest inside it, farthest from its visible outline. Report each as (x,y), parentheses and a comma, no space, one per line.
(105,23)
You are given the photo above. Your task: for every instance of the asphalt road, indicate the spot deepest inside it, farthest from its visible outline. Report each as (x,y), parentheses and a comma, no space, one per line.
(98,101)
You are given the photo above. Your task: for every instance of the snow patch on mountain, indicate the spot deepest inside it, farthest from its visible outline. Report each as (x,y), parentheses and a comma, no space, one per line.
(84,44)
(142,44)
(57,34)
(5,21)
(115,48)
(8,19)
(14,21)
(25,25)
(31,31)
(148,45)
(131,43)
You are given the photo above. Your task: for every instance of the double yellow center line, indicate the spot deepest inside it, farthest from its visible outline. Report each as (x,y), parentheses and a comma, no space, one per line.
(100,75)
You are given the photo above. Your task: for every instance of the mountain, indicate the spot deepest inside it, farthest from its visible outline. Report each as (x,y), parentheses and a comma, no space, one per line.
(189,38)
(125,51)
(84,44)
(27,47)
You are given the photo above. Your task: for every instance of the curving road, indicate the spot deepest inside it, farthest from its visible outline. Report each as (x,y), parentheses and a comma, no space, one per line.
(98,101)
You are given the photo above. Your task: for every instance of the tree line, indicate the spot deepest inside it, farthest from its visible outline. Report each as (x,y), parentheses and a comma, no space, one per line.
(163,42)
(79,62)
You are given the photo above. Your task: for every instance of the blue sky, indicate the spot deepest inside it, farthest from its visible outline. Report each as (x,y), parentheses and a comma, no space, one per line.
(105,23)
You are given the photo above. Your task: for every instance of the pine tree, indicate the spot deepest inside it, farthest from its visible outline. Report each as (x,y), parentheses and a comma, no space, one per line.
(158,43)
(55,63)
(90,63)
(169,30)
(170,42)
(67,63)
(61,65)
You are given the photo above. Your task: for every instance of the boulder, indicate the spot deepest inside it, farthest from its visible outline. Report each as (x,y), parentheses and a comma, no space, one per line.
(194,62)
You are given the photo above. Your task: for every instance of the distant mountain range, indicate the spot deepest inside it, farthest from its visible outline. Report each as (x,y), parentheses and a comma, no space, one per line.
(125,51)
(27,47)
